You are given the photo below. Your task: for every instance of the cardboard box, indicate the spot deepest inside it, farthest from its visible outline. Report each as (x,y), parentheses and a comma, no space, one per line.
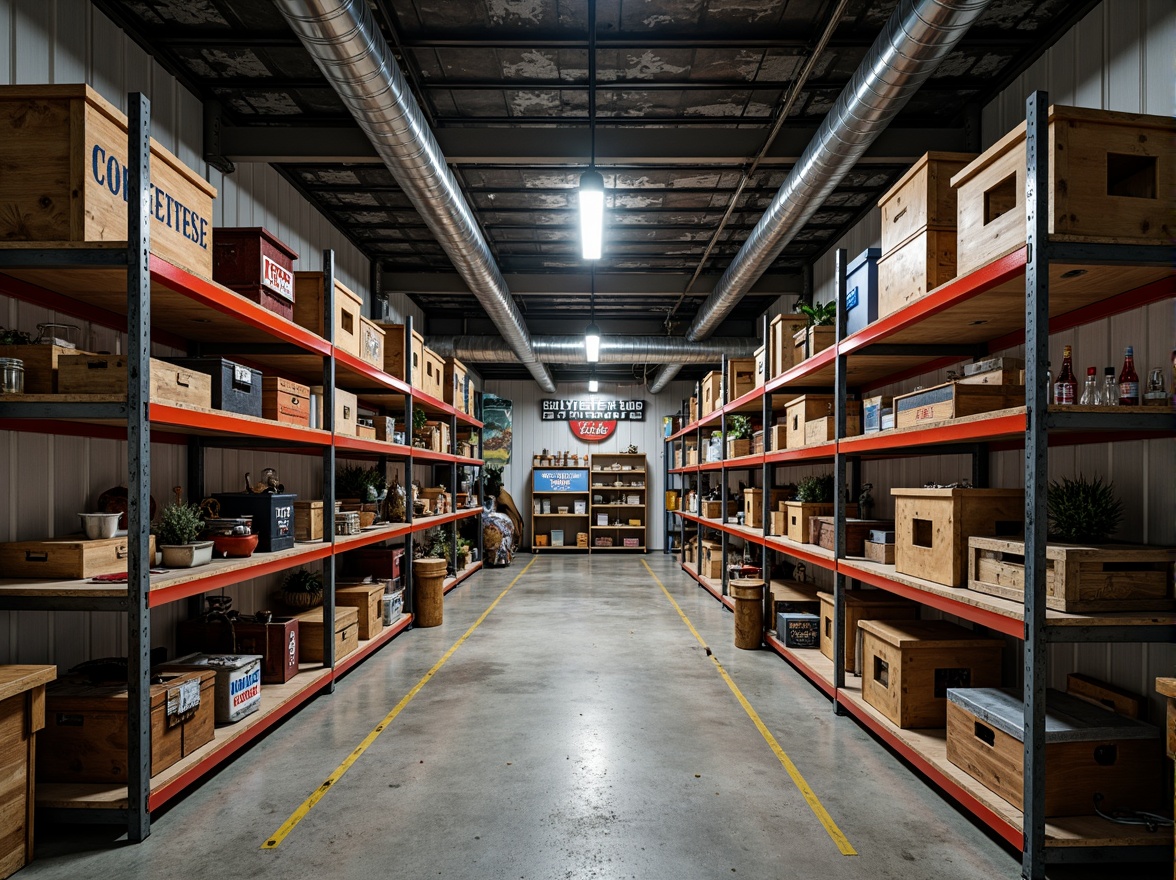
(256,264)
(283,400)
(908,666)
(1112,177)
(310,633)
(107,374)
(309,289)
(860,605)
(1088,750)
(63,149)
(932,527)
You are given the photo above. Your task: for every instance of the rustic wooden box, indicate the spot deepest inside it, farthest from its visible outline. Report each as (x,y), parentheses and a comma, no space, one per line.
(256,264)
(85,735)
(761,366)
(455,383)
(908,666)
(856,531)
(712,566)
(809,341)
(309,289)
(371,342)
(22,715)
(1108,696)
(860,605)
(753,505)
(367,599)
(779,437)
(1112,177)
(951,400)
(693,406)
(308,520)
(63,149)
(346,412)
(1088,750)
(712,392)
(883,553)
(824,429)
(781,347)
(933,526)
(911,271)
(434,374)
(310,633)
(810,407)
(1109,577)
(284,400)
(107,374)
(738,448)
(66,558)
(779,522)
(714,509)
(922,199)
(790,596)
(404,362)
(276,642)
(379,562)
(800,515)
(740,377)
(40,364)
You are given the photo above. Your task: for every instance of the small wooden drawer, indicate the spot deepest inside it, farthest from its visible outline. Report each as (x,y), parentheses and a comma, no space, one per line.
(908,665)
(107,374)
(283,400)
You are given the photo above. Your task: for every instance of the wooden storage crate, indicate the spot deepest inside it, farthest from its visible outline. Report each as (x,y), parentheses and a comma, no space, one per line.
(761,366)
(779,437)
(309,288)
(1088,750)
(63,149)
(809,341)
(822,532)
(308,520)
(404,362)
(1108,696)
(1078,579)
(714,509)
(107,374)
(860,605)
(85,735)
(811,407)
(346,412)
(910,272)
(368,601)
(738,448)
(284,400)
(310,633)
(951,400)
(753,505)
(779,522)
(66,558)
(40,364)
(454,380)
(434,374)
(371,342)
(256,264)
(800,515)
(789,596)
(22,715)
(883,553)
(276,642)
(740,377)
(932,528)
(781,347)
(824,429)
(712,392)
(1112,178)
(693,406)
(365,432)
(908,666)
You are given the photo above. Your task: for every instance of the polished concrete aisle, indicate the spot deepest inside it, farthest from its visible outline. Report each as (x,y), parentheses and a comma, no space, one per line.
(579,732)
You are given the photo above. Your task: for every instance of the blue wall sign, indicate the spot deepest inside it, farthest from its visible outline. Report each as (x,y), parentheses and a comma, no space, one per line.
(561,480)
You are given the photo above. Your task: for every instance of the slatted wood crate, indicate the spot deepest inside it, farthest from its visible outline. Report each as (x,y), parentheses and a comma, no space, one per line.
(951,400)
(22,715)
(107,374)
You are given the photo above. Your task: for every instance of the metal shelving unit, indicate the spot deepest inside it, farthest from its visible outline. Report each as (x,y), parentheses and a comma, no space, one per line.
(121,287)
(906,344)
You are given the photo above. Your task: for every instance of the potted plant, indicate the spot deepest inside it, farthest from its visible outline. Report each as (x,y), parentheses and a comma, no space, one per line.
(440,548)
(814,497)
(419,435)
(178,532)
(738,436)
(1081,511)
(819,333)
(463,551)
(492,481)
(303,589)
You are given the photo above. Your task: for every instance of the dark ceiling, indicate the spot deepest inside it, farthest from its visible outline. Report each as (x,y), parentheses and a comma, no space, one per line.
(686,93)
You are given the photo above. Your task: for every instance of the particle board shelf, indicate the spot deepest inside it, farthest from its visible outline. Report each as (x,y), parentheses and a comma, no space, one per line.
(367,647)
(803,454)
(563,515)
(811,554)
(809,662)
(603,528)
(712,587)
(618,548)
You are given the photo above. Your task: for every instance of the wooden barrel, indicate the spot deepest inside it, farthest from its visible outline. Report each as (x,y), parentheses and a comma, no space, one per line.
(748,594)
(428,586)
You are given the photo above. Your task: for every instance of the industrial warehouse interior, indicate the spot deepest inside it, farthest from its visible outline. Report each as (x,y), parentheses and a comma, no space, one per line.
(560,439)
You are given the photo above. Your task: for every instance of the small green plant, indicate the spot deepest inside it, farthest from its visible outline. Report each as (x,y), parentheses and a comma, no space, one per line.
(815,490)
(820,314)
(738,427)
(179,524)
(303,588)
(356,481)
(14,337)
(492,479)
(1081,511)
(418,420)
(439,546)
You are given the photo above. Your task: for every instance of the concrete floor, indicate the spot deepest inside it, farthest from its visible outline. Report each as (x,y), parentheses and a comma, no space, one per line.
(580,732)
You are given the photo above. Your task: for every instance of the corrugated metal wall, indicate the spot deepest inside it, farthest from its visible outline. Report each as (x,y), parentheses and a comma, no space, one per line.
(49,479)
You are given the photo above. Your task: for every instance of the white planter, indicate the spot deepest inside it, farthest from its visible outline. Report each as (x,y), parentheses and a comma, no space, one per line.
(186,555)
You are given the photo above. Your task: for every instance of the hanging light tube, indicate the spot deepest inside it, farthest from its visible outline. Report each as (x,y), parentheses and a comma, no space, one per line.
(591,214)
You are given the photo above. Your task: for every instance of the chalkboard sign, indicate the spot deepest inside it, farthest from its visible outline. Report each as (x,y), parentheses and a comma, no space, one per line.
(560,480)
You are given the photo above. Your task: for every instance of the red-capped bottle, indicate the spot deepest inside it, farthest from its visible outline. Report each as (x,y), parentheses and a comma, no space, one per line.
(1128,380)
(1066,386)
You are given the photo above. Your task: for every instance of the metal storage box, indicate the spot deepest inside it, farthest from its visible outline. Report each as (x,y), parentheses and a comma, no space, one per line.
(253,262)
(273,516)
(861,290)
(238,682)
(235,388)
(798,629)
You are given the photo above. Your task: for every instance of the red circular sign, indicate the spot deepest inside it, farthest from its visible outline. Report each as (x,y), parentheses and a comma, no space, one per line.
(593,431)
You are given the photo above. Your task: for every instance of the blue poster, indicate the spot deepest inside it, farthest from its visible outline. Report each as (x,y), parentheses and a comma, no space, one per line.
(560,480)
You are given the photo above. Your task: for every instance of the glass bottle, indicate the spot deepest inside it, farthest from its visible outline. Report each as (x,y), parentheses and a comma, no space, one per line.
(1128,380)
(1090,391)
(1066,386)
(1110,392)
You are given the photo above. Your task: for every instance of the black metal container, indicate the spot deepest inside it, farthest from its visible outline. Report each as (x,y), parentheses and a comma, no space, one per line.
(273,516)
(235,388)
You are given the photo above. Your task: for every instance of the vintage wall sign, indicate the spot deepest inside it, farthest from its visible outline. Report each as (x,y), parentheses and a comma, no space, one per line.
(593,409)
(560,480)
(592,431)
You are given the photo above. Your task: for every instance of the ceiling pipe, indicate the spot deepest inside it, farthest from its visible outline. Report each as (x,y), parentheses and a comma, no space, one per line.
(916,38)
(343,39)
(613,349)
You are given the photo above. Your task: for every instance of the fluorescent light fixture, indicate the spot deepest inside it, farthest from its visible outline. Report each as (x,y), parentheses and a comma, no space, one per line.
(593,385)
(592,344)
(591,214)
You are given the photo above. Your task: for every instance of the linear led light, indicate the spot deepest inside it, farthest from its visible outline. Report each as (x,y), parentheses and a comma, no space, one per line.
(591,214)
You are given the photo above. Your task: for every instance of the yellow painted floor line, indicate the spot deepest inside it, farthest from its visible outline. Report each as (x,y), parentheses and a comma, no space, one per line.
(275,840)
(806,791)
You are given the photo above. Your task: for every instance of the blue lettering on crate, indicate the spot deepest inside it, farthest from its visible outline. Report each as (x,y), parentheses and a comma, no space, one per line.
(107,171)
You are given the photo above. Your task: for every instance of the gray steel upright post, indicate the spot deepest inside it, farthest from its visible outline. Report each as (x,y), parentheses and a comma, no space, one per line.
(839,486)
(329,462)
(406,560)
(766,480)
(138,465)
(724,490)
(1036,475)
(452,450)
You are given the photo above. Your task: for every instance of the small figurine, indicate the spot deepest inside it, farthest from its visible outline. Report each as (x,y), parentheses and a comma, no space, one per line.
(866,500)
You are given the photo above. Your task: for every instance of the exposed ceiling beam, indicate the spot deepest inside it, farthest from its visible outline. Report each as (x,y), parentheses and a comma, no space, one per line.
(564,146)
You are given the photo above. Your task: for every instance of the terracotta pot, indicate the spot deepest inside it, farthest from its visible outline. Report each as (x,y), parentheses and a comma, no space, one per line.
(236,546)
